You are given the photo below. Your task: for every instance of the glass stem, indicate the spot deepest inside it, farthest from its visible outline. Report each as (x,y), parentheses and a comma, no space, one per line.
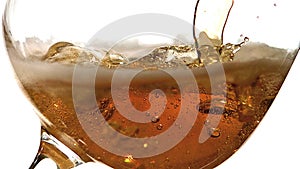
(52,148)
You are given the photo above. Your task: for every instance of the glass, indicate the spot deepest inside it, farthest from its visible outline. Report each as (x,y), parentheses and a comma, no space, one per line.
(146,84)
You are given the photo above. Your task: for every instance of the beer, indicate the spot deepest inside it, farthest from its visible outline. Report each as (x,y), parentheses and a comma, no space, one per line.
(236,105)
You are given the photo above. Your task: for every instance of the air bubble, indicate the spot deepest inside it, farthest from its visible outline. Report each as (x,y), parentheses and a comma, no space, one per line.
(206,122)
(157,95)
(148,114)
(160,127)
(145,145)
(198,107)
(155,119)
(128,159)
(152,162)
(214,132)
(174,90)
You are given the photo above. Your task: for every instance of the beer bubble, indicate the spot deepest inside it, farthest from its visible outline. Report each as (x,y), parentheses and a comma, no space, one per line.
(152,162)
(206,122)
(145,145)
(198,107)
(128,159)
(214,132)
(148,114)
(155,119)
(174,90)
(160,127)
(176,106)
(157,94)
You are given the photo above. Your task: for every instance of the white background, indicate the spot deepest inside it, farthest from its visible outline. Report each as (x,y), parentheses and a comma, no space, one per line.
(274,144)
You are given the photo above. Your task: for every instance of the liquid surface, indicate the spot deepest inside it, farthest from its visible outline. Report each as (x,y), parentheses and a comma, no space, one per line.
(252,82)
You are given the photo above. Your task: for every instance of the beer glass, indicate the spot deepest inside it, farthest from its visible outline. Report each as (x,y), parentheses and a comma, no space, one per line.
(149,84)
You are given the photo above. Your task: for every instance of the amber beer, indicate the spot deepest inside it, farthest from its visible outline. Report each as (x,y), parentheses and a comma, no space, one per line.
(253,79)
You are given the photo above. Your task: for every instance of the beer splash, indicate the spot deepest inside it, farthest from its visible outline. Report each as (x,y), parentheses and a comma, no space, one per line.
(210,18)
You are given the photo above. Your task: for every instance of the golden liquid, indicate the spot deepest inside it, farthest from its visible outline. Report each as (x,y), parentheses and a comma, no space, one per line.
(251,86)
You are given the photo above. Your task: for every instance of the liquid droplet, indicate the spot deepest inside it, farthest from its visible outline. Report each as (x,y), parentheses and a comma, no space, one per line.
(246,39)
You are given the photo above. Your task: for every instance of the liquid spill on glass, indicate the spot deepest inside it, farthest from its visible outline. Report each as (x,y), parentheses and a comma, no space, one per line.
(251,86)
